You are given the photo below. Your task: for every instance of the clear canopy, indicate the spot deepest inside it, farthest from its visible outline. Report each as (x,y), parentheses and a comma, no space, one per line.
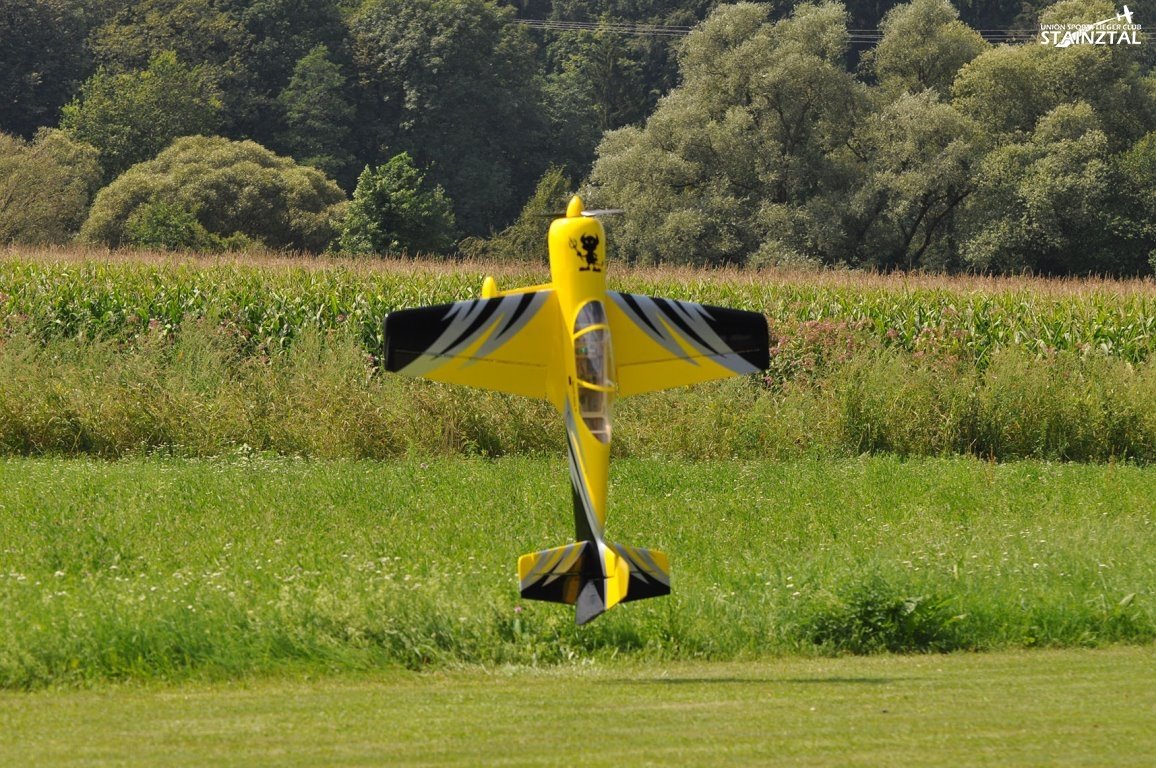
(593,354)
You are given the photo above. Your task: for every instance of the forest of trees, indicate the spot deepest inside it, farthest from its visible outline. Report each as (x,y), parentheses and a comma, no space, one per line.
(871,134)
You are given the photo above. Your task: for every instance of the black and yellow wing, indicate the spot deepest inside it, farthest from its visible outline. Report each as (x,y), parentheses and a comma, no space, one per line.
(507,343)
(663,343)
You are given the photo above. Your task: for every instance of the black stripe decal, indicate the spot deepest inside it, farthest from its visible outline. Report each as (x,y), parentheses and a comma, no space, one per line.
(488,308)
(639,316)
(523,305)
(673,316)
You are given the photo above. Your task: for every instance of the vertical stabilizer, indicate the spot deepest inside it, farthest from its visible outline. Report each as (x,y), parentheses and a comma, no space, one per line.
(591,603)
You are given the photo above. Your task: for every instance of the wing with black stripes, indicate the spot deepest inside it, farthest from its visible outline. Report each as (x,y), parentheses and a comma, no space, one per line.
(663,343)
(507,343)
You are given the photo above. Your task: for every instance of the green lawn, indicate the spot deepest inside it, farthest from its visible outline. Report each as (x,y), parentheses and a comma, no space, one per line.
(213,569)
(1044,708)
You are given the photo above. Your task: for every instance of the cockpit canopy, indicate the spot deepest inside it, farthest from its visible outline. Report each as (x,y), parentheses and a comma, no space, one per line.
(594,364)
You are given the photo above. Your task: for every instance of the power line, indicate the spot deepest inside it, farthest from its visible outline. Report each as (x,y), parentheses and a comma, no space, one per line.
(666,30)
(624,28)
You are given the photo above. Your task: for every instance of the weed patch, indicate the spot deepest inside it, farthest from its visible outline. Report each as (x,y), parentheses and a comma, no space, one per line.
(875,615)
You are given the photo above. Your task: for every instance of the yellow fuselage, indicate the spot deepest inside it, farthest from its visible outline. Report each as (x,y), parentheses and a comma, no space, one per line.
(577,246)
(578,267)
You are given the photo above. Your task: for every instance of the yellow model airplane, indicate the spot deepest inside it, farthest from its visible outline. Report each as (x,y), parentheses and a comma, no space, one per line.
(578,345)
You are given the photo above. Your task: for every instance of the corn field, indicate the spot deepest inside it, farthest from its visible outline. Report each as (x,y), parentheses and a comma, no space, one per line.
(122,354)
(267,301)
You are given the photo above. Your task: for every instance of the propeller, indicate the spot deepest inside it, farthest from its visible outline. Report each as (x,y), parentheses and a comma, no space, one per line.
(595,213)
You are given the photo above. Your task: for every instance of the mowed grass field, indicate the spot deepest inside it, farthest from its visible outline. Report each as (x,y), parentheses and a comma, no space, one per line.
(1041,708)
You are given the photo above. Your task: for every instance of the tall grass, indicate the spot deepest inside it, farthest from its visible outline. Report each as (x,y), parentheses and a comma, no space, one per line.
(248,557)
(115,355)
(196,392)
(160,568)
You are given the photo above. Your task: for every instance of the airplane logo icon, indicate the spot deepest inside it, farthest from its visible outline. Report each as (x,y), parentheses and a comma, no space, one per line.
(1109,31)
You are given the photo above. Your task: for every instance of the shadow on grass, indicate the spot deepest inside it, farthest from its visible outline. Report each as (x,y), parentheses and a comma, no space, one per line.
(660,681)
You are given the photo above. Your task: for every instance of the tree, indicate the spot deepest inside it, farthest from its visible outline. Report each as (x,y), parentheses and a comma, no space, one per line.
(248,47)
(1045,204)
(202,33)
(1003,90)
(454,84)
(525,239)
(231,187)
(919,158)
(393,210)
(1008,89)
(279,34)
(45,187)
(734,155)
(169,226)
(130,117)
(626,75)
(44,59)
(595,85)
(924,45)
(317,115)
(197,30)
(1136,210)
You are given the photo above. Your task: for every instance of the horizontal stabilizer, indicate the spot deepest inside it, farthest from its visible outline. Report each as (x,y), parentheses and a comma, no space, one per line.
(649,572)
(556,575)
(576,574)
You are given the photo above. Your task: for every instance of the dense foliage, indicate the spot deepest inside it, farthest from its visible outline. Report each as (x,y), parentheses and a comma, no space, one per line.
(130,117)
(393,210)
(231,188)
(958,155)
(883,135)
(46,185)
